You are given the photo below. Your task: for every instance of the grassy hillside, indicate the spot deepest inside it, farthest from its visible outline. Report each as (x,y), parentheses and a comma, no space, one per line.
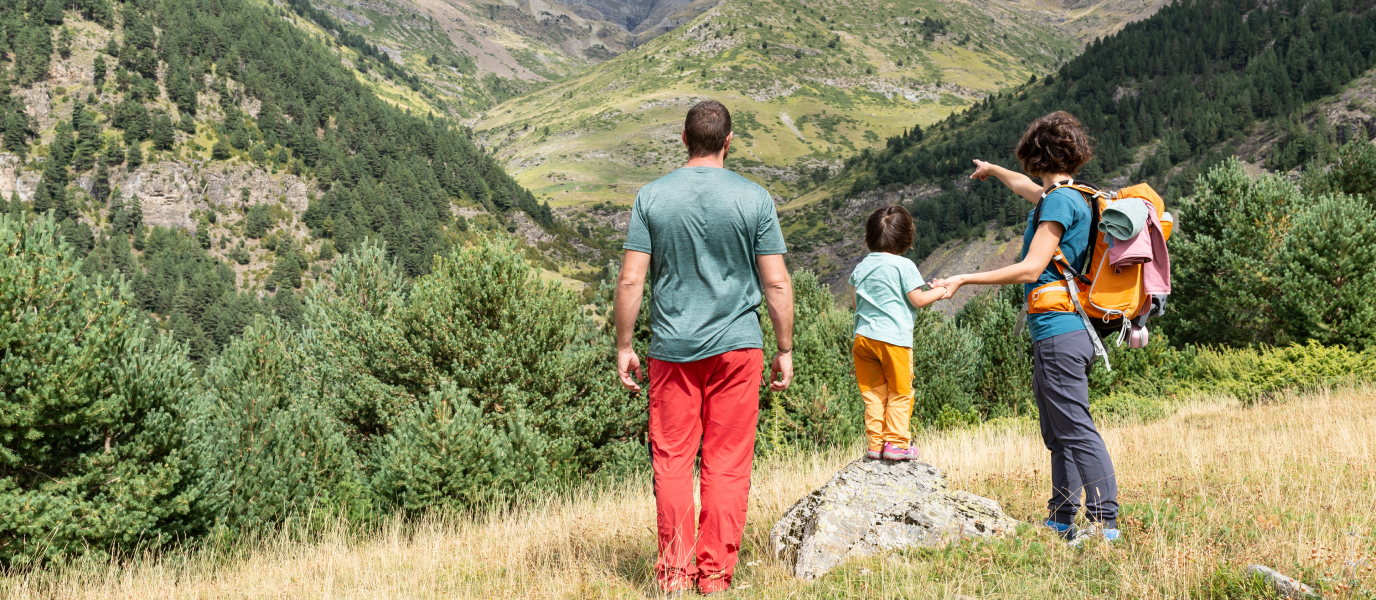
(1196,512)
(808,83)
(1166,98)
(1087,19)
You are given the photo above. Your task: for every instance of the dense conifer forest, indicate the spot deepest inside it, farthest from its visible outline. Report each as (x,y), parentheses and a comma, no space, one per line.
(380,173)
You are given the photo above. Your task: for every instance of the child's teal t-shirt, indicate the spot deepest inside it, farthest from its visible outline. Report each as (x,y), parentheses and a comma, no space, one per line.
(882,311)
(1067,207)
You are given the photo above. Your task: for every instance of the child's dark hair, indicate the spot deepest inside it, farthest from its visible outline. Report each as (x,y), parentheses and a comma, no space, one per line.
(889,229)
(1056,143)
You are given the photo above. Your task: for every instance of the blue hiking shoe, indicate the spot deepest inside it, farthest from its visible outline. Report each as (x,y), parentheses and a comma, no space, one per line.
(1065,530)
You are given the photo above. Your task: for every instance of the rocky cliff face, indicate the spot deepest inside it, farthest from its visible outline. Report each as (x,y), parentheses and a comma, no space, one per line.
(170,191)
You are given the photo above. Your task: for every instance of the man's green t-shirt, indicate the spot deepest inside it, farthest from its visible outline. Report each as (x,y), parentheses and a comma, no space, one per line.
(703,228)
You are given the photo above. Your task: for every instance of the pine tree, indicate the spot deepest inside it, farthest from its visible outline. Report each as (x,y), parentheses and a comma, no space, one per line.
(93,402)
(368,320)
(100,184)
(164,133)
(221,149)
(52,12)
(133,211)
(1326,269)
(133,156)
(258,221)
(100,71)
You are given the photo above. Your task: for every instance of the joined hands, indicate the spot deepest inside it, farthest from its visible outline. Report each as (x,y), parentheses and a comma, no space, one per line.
(950,283)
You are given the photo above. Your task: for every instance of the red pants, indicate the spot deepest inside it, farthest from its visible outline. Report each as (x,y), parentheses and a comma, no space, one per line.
(714,402)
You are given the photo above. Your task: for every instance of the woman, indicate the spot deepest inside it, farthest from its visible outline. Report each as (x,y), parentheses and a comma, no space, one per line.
(1053,149)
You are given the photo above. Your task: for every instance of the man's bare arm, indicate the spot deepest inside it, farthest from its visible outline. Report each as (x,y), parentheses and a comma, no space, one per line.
(778,294)
(630,288)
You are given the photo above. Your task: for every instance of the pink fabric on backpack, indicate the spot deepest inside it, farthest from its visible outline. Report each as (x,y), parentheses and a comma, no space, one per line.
(1147,248)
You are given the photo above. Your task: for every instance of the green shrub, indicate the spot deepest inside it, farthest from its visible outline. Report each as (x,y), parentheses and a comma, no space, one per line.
(822,407)
(90,409)
(481,329)
(1126,407)
(449,453)
(1308,367)
(1158,370)
(264,446)
(1221,260)
(1254,374)
(1005,383)
(949,362)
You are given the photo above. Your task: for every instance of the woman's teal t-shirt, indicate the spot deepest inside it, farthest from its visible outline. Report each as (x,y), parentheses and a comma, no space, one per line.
(1067,207)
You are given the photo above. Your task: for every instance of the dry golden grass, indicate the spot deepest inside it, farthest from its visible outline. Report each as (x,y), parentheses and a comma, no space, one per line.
(1205,492)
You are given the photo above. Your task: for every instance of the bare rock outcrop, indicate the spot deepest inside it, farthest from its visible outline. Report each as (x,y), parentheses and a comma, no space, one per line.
(14,178)
(170,191)
(874,506)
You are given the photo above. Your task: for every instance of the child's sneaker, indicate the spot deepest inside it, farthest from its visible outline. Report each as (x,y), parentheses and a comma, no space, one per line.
(892,452)
(873,454)
(1094,531)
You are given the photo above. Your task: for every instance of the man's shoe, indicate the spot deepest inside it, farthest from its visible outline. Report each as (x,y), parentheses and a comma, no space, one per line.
(1067,531)
(892,452)
(873,454)
(1094,532)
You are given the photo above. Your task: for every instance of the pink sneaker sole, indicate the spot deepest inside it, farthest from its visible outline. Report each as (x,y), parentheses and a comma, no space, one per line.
(892,452)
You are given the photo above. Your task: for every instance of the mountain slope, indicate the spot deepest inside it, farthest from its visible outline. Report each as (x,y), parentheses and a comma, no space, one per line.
(1166,98)
(219,156)
(1086,19)
(474,54)
(808,82)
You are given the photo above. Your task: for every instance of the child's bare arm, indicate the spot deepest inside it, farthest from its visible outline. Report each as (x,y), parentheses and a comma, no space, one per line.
(921,299)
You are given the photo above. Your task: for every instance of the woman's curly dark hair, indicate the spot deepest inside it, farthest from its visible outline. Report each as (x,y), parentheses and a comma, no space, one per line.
(1056,143)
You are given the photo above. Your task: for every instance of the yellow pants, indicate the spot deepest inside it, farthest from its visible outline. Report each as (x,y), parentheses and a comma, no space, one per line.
(885,374)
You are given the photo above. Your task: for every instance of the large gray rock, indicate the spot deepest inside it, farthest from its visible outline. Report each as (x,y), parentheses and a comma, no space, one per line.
(873,506)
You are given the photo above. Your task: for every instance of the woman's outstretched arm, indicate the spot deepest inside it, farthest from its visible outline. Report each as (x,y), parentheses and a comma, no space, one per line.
(1039,254)
(1021,185)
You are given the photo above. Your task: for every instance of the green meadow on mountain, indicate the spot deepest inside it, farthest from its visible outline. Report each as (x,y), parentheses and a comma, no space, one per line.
(809,83)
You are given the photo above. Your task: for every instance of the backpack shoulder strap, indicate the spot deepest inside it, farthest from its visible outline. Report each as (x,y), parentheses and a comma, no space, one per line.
(1091,194)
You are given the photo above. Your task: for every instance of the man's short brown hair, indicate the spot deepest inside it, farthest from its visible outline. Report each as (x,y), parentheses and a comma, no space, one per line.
(1056,143)
(889,229)
(706,128)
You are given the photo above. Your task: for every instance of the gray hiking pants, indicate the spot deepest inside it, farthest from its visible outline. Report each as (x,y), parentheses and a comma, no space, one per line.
(1079,458)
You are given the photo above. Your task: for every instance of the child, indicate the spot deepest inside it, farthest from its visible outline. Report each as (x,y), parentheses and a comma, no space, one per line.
(886,298)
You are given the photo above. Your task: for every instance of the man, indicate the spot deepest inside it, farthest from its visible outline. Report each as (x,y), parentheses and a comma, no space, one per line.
(710,240)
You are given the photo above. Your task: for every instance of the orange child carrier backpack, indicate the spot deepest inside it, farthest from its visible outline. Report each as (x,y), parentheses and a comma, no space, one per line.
(1106,298)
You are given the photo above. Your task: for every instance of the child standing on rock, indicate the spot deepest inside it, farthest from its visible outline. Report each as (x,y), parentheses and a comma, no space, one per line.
(886,298)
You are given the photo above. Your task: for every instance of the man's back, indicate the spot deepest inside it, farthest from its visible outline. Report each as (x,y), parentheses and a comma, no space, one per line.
(703,228)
